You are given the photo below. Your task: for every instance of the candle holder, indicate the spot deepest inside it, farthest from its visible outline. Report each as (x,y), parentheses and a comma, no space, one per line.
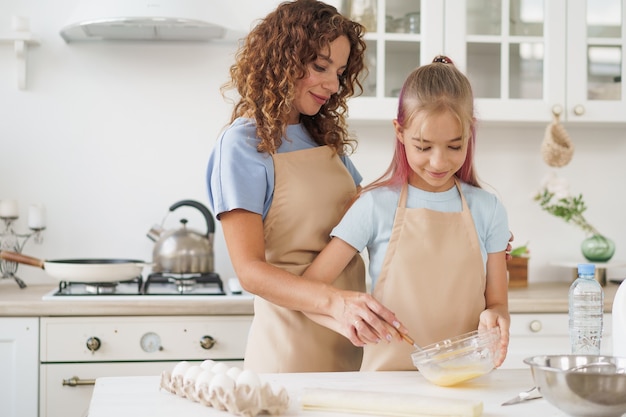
(14,242)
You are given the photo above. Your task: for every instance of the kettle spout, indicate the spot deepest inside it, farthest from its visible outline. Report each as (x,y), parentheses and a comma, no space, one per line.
(155,232)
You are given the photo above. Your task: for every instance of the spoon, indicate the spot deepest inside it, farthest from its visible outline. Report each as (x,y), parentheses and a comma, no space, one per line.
(523,396)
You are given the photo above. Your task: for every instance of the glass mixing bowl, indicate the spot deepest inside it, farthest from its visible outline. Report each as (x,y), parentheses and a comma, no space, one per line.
(459,359)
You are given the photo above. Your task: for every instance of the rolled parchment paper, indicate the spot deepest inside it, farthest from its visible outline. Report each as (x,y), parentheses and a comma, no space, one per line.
(388,404)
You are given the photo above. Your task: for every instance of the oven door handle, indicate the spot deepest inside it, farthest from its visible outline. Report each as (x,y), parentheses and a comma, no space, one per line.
(76,381)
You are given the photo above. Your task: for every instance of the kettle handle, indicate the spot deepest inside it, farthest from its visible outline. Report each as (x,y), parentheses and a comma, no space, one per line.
(210,223)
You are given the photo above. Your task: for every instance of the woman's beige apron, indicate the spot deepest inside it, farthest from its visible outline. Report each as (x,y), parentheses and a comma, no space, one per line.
(432,278)
(312,190)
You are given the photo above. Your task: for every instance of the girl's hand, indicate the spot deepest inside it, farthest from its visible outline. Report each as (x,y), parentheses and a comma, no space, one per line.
(509,248)
(491,318)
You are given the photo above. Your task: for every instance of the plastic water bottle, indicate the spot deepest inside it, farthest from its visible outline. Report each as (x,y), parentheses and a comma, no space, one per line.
(586,307)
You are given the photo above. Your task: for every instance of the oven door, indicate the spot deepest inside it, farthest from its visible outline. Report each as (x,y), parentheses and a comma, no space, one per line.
(64,396)
(66,388)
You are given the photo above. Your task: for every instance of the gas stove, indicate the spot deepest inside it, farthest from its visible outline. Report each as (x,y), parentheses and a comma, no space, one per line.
(155,285)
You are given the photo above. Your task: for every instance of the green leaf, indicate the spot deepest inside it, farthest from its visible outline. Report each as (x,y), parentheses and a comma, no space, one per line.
(520,251)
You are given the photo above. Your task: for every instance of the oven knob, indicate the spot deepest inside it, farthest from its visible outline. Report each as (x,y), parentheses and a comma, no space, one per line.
(93,344)
(151,342)
(207,342)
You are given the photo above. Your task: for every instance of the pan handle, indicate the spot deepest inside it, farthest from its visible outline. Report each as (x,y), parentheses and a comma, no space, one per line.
(21,259)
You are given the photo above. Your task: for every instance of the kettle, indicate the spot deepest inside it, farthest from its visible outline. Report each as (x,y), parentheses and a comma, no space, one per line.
(183,250)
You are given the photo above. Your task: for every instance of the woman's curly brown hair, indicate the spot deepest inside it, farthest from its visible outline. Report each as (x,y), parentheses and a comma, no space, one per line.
(276,53)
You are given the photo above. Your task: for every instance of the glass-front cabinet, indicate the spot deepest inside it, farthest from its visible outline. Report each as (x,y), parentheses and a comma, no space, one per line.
(595,43)
(401,35)
(513,58)
(525,58)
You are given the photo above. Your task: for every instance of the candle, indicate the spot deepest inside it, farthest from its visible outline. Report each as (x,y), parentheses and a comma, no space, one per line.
(8,208)
(36,216)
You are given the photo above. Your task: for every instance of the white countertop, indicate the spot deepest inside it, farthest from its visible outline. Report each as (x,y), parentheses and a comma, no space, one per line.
(16,302)
(541,297)
(141,396)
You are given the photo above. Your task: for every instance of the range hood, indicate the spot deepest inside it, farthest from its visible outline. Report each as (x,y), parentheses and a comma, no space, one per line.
(154,20)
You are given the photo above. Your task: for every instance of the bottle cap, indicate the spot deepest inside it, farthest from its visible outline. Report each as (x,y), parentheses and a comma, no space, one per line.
(586,269)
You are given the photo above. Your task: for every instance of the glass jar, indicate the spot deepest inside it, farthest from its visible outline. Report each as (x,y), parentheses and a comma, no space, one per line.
(412,22)
(364,12)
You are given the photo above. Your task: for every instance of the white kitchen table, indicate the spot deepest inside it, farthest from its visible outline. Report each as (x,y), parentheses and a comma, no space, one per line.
(141,396)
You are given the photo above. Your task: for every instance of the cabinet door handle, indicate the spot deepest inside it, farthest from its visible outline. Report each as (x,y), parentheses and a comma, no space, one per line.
(76,381)
(535,326)
(579,110)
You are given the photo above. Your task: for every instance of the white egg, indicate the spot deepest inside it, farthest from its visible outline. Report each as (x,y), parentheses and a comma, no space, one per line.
(219,368)
(223,381)
(207,364)
(180,369)
(248,378)
(234,372)
(203,379)
(191,374)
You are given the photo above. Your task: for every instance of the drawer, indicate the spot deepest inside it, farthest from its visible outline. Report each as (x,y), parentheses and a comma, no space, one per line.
(145,338)
(548,325)
(545,334)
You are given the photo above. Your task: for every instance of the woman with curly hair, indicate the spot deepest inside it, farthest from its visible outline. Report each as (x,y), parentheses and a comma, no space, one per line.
(279,179)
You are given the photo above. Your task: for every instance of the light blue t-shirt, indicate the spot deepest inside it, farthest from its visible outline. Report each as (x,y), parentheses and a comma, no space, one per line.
(240,177)
(369,221)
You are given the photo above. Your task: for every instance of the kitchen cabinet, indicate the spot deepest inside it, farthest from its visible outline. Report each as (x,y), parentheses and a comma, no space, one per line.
(545,334)
(406,33)
(52,348)
(19,355)
(525,58)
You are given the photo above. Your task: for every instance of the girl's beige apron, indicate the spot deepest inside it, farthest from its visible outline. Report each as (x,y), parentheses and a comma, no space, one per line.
(433,279)
(312,190)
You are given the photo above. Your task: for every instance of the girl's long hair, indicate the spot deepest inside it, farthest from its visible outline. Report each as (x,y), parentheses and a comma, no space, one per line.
(432,89)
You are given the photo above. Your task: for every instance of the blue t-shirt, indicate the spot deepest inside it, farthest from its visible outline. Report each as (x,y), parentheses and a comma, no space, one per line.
(369,221)
(240,177)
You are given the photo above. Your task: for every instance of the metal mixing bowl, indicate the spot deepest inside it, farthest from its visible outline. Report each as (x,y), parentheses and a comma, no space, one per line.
(582,385)
(460,358)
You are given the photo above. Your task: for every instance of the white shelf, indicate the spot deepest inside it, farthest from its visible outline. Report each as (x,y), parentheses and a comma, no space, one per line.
(21,39)
(601,267)
(574,264)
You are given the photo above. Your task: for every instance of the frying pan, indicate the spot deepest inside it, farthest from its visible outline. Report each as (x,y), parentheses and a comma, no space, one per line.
(82,270)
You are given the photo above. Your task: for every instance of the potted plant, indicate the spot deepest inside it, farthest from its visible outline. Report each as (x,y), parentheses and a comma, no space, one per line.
(517,266)
(555,198)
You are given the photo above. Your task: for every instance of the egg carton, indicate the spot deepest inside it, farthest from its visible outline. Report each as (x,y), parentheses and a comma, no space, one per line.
(224,388)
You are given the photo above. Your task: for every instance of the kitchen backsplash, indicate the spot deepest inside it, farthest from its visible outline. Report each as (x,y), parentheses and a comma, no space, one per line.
(108,135)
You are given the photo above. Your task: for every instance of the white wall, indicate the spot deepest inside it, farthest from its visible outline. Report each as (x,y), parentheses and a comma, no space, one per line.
(109,135)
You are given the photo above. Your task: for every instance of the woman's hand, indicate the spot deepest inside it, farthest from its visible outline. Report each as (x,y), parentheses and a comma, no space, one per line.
(364,319)
(356,315)
(360,318)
